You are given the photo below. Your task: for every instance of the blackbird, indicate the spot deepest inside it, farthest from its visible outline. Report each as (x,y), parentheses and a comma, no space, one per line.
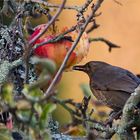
(111,85)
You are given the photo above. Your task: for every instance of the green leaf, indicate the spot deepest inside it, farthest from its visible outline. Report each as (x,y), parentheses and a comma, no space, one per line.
(32,95)
(86,90)
(7,94)
(24,115)
(47,64)
(47,109)
(38,108)
(5,134)
(33,122)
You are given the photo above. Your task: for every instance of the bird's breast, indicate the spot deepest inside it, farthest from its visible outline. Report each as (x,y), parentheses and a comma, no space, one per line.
(112,99)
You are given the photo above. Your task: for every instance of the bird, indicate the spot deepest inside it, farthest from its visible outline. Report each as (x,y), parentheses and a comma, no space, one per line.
(111,85)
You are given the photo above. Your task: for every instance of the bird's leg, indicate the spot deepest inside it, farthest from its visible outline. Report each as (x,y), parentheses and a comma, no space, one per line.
(113,115)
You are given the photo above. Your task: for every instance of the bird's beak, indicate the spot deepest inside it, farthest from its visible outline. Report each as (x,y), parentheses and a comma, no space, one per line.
(80,68)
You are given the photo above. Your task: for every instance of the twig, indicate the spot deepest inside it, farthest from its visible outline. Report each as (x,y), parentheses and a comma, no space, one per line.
(26,55)
(119,3)
(49,24)
(47,4)
(57,38)
(81,11)
(31,42)
(62,103)
(109,43)
(93,26)
(48,92)
(19,23)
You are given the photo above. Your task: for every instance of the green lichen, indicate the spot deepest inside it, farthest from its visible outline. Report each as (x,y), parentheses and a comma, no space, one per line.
(4,32)
(2,43)
(5,68)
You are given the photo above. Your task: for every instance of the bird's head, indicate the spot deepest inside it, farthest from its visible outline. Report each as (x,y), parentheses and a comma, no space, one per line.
(91,67)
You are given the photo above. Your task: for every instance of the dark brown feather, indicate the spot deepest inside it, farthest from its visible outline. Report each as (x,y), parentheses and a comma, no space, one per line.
(110,84)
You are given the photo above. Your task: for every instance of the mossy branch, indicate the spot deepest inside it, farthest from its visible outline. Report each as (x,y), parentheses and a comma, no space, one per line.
(130,117)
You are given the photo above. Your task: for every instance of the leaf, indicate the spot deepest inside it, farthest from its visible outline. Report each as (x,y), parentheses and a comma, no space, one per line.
(38,108)
(5,135)
(23,105)
(86,90)
(24,115)
(47,109)
(76,131)
(7,94)
(47,64)
(32,95)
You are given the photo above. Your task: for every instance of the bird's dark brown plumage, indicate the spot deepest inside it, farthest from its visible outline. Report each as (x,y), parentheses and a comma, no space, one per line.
(110,84)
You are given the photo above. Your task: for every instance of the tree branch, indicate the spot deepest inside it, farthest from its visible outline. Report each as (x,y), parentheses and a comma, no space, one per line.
(49,90)
(130,117)
(48,24)
(107,42)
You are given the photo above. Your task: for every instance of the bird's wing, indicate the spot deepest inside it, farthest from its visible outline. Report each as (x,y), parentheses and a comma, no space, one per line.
(116,79)
(124,83)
